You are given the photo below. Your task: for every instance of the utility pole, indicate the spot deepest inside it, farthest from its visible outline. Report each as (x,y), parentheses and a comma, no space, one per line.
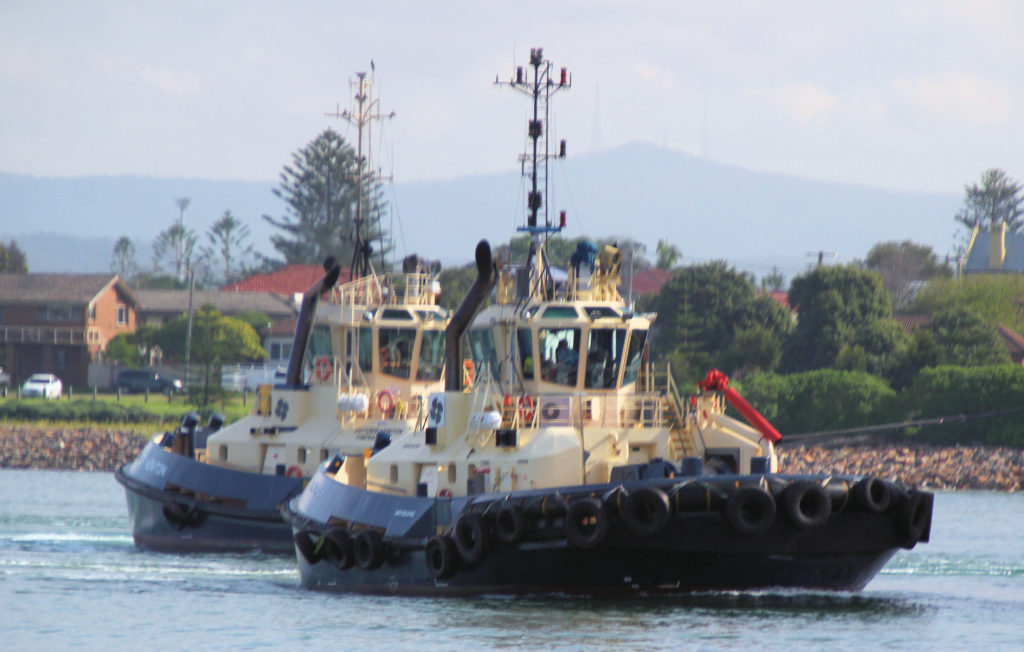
(821,255)
(179,263)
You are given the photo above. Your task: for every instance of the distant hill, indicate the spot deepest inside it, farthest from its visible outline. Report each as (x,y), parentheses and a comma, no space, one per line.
(710,211)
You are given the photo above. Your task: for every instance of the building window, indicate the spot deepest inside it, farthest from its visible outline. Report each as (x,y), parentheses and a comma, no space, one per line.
(122,314)
(92,312)
(93,336)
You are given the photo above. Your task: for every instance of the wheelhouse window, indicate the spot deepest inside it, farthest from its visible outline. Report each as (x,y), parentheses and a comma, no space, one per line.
(604,351)
(431,355)
(525,343)
(481,344)
(319,346)
(560,354)
(634,356)
(394,350)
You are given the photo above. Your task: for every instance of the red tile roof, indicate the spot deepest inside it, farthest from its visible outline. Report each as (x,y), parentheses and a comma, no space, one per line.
(646,281)
(1014,343)
(911,322)
(781,297)
(287,280)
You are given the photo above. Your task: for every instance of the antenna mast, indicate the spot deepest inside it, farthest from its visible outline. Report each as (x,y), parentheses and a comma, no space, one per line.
(365,110)
(540,89)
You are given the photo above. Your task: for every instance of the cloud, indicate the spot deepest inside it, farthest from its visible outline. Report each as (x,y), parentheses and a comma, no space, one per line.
(959,96)
(804,101)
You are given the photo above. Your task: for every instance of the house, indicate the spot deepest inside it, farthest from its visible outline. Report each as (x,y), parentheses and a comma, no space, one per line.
(59,323)
(158,307)
(994,252)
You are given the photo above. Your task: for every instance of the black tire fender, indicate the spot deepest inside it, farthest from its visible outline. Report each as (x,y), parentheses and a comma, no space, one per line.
(646,511)
(806,504)
(872,494)
(587,523)
(471,537)
(442,557)
(750,510)
(337,548)
(309,549)
(509,524)
(368,549)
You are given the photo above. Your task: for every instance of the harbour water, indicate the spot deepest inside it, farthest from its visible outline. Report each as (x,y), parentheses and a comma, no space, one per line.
(70,577)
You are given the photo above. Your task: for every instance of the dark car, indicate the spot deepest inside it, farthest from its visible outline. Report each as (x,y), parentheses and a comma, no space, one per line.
(139,380)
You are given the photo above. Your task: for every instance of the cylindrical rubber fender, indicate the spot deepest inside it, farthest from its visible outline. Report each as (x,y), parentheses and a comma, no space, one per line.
(914,516)
(696,497)
(550,506)
(645,511)
(509,524)
(337,548)
(586,523)
(806,504)
(442,557)
(872,494)
(750,510)
(309,549)
(471,537)
(368,549)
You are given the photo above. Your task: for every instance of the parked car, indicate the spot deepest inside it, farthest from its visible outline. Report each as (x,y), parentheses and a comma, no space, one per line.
(44,385)
(139,380)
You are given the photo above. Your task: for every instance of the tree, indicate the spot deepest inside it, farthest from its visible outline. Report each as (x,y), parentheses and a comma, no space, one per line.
(227,244)
(900,263)
(12,259)
(216,340)
(123,261)
(773,282)
(709,315)
(667,254)
(320,191)
(997,299)
(845,321)
(998,199)
(134,349)
(172,250)
(455,283)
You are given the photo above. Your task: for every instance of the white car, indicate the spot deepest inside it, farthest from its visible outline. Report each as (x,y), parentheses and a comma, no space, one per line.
(44,385)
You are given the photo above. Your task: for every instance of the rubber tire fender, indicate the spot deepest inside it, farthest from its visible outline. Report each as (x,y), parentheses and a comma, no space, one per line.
(337,548)
(442,557)
(509,524)
(872,494)
(308,548)
(471,537)
(368,549)
(806,504)
(646,511)
(750,510)
(587,523)
(913,517)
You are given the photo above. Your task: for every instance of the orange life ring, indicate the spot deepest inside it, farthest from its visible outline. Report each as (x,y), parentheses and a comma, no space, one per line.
(444,493)
(293,471)
(322,368)
(386,401)
(526,408)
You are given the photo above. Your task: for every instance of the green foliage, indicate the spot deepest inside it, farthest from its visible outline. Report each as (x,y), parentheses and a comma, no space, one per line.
(949,391)
(845,321)
(227,249)
(216,340)
(773,282)
(134,349)
(455,283)
(901,263)
(106,409)
(667,255)
(998,199)
(320,191)
(122,261)
(12,259)
(816,401)
(711,315)
(994,298)
(173,249)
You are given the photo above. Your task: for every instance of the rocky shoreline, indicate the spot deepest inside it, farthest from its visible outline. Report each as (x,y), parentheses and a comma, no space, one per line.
(935,467)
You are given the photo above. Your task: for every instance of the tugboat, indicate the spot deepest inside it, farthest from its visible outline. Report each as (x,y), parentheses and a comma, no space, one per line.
(363,361)
(571,465)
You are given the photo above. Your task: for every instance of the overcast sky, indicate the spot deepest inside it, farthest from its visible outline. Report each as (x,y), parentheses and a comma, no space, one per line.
(906,95)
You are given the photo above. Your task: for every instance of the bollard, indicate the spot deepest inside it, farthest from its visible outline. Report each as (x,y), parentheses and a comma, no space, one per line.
(118,393)
(147,395)
(245,393)
(69,392)
(94,393)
